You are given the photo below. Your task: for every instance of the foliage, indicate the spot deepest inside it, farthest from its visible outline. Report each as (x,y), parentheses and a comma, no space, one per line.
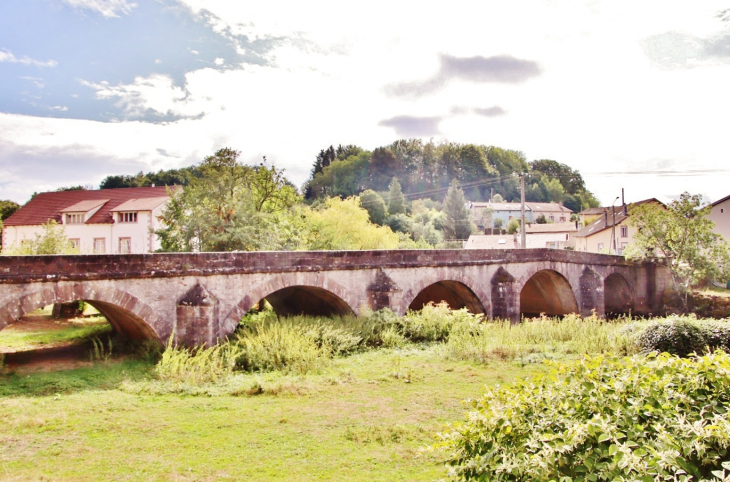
(230,207)
(400,223)
(375,206)
(428,168)
(541,219)
(539,339)
(396,201)
(683,234)
(457,222)
(197,365)
(7,209)
(513,225)
(684,335)
(432,323)
(655,418)
(52,240)
(498,223)
(170,177)
(342,224)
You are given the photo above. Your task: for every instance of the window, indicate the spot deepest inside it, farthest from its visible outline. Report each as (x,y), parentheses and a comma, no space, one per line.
(562,219)
(552,218)
(75,218)
(127,217)
(75,243)
(125,245)
(99,246)
(624,231)
(600,246)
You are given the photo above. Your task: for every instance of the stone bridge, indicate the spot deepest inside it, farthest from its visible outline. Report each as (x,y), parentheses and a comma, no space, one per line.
(202,296)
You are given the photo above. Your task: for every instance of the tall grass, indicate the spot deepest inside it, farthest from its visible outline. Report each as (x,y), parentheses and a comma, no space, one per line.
(540,338)
(197,365)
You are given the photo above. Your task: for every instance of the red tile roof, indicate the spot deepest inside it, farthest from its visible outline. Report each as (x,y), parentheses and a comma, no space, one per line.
(48,205)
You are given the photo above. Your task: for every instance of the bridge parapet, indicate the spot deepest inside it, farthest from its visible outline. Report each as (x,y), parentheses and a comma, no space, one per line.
(201,296)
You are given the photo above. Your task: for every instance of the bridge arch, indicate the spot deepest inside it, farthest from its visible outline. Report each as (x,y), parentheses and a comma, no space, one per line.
(126,313)
(547,291)
(618,295)
(457,290)
(288,294)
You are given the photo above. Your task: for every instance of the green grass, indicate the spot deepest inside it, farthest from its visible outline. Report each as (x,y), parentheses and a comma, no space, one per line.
(363,418)
(91,327)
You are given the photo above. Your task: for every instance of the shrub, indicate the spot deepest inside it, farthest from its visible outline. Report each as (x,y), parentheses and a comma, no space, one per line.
(643,418)
(717,334)
(197,365)
(678,336)
(281,346)
(433,322)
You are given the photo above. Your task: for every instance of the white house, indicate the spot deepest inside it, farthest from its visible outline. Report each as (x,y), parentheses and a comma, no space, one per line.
(107,221)
(720,215)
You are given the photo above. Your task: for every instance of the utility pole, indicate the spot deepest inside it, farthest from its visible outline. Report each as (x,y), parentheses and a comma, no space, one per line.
(613,226)
(523,238)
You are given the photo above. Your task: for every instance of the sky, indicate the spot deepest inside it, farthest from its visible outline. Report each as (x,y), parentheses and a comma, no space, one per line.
(632,94)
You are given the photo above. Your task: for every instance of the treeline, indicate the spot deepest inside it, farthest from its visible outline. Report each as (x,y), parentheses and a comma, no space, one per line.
(426,169)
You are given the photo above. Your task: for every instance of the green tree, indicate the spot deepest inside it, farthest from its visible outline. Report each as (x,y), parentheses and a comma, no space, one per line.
(7,209)
(683,234)
(513,225)
(498,223)
(375,206)
(497,198)
(457,224)
(343,224)
(230,207)
(52,240)
(541,219)
(396,200)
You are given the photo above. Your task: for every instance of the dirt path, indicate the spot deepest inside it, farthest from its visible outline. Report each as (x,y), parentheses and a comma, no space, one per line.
(45,357)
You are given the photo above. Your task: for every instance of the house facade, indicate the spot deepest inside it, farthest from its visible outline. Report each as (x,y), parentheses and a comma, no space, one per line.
(513,241)
(611,227)
(553,212)
(107,221)
(720,215)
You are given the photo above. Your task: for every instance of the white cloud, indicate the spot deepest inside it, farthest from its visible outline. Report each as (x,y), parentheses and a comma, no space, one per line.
(7,56)
(155,95)
(107,8)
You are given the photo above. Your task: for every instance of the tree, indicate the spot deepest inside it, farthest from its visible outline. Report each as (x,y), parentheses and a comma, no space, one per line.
(683,234)
(343,224)
(230,207)
(7,209)
(52,240)
(457,224)
(497,198)
(396,200)
(513,225)
(498,223)
(374,205)
(541,219)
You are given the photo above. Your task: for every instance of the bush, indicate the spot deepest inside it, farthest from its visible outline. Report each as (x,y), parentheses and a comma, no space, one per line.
(433,322)
(641,418)
(197,365)
(677,336)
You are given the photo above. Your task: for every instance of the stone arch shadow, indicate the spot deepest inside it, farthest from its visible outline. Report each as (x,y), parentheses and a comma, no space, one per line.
(618,295)
(126,313)
(545,289)
(323,296)
(457,290)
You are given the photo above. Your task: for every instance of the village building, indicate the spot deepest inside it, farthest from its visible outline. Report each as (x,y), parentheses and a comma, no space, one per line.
(481,212)
(611,233)
(106,221)
(513,241)
(720,215)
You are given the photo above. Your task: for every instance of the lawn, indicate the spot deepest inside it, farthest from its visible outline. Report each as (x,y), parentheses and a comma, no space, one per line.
(366,417)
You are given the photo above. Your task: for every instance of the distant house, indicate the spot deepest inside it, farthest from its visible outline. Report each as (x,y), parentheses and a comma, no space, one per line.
(720,215)
(553,212)
(513,241)
(107,221)
(599,235)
